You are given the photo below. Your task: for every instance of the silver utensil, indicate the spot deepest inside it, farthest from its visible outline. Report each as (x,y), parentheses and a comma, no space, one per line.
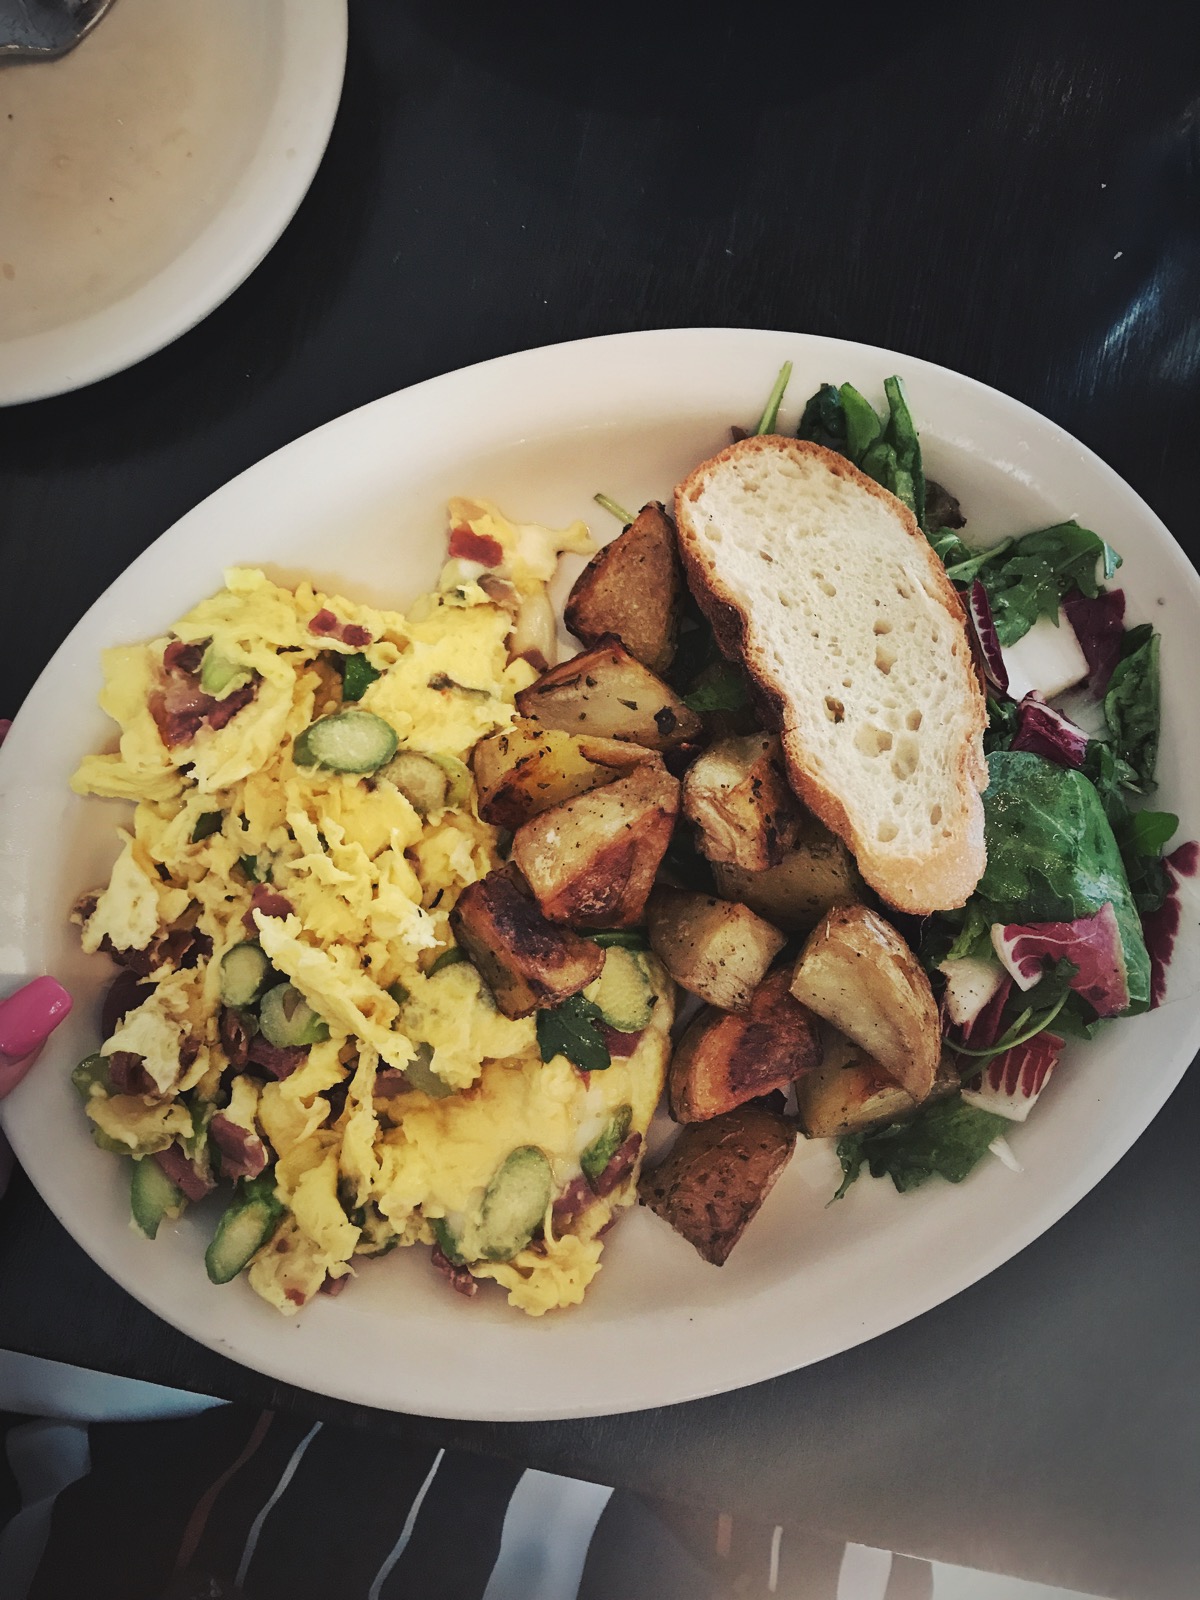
(41,30)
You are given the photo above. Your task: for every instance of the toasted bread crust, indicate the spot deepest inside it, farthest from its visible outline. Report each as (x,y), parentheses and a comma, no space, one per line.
(944,877)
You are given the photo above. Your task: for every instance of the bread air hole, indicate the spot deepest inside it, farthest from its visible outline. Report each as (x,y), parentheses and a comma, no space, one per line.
(886,832)
(872,741)
(834,709)
(881,626)
(935,815)
(904,762)
(885,658)
(765,555)
(913,722)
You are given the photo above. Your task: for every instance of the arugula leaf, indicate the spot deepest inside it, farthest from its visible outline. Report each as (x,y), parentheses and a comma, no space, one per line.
(974,937)
(1131,706)
(572,1030)
(357,676)
(1140,835)
(720,687)
(1031,577)
(901,470)
(684,864)
(946,1140)
(1052,855)
(769,421)
(1150,831)
(1004,717)
(962,564)
(824,419)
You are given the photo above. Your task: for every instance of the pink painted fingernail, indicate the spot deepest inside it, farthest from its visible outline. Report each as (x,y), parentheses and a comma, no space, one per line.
(29,1017)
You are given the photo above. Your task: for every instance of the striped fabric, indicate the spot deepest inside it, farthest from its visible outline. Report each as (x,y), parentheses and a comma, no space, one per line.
(232,1503)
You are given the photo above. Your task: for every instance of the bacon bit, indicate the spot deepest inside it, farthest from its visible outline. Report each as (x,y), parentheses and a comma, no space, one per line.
(327,626)
(620,1166)
(182,1173)
(460,1279)
(128,1075)
(187,657)
(223,711)
(389,1082)
(334,1286)
(188,1051)
(181,708)
(270,903)
(296,1296)
(280,1060)
(619,1044)
(467,545)
(125,994)
(243,1154)
(235,1036)
(571,1204)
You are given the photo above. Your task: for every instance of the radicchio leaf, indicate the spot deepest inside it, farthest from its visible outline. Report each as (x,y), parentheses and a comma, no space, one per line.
(1163,926)
(1099,624)
(990,654)
(1092,945)
(971,986)
(1048,733)
(1010,1083)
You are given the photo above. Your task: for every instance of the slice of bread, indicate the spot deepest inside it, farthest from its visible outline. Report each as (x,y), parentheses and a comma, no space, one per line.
(823,586)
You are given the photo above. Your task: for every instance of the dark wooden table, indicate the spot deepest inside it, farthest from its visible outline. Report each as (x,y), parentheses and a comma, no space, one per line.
(1013,192)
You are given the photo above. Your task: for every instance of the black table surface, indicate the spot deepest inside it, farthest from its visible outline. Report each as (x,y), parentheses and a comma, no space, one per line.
(1013,192)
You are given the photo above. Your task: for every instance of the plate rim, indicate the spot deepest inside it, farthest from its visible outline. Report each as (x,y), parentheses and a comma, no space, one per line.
(1099,1159)
(301,117)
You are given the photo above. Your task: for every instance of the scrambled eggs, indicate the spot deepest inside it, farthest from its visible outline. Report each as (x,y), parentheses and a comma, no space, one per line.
(393,1118)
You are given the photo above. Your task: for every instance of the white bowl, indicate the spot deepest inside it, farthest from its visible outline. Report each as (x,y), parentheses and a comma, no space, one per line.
(146,174)
(359,505)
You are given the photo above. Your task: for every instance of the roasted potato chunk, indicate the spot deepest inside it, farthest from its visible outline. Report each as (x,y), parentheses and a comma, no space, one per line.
(526,961)
(714,948)
(608,692)
(726,1058)
(738,796)
(856,972)
(525,769)
(849,1093)
(632,589)
(717,1175)
(591,861)
(795,895)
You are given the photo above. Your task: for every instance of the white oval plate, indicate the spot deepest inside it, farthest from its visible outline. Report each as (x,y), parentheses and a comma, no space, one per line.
(359,505)
(146,175)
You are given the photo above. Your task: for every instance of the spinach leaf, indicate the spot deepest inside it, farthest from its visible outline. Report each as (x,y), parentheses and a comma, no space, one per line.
(572,1029)
(1052,855)
(1034,573)
(824,420)
(863,426)
(696,649)
(947,1140)
(357,676)
(887,450)
(207,823)
(1131,706)
(720,687)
